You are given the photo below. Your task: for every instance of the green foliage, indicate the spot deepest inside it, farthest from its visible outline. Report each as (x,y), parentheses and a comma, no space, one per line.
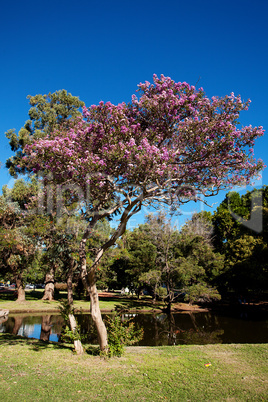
(46,113)
(161,292)
(34,272)
(121,334)
(17,248)
(65,309)
(152,278)
(99,236)
(201,292)
(67,335)
(199,225)
(119,272)
(156,254)
(245,251)
(142,255)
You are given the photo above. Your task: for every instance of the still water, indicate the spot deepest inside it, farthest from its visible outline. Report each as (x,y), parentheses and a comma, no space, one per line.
(159,329)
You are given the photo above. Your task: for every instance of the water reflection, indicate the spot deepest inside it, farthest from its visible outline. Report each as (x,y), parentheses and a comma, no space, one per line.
(46,328)
(159,328)
(175,329)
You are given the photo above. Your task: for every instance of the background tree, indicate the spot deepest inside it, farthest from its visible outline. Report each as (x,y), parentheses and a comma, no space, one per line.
(244,249)
(164,237)
(17,247)
(199,267)
(142,257)
(118,272)
(186,263)
(47,112)
(200,224)
(100,235)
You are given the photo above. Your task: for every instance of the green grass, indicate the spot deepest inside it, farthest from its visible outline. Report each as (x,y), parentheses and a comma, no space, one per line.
(34,371)
(34,303)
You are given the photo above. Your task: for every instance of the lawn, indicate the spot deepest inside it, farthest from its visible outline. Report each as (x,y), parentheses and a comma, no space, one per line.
(34,371)
(34,303)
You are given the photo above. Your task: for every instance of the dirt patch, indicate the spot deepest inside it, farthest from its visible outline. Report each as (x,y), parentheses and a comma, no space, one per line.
(186,307)
(109,294)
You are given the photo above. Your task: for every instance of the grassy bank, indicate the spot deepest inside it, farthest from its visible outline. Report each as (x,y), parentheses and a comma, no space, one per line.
(49,306)
(34,371)
(34,303)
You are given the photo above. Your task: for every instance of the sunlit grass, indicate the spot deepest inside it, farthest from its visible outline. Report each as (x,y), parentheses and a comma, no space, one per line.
(31,370)
(34,303)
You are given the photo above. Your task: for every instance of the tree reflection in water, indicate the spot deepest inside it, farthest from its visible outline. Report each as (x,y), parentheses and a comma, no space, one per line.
(175,329)
(3,319)
(17,324)
(159,328)
(45,328)
(34,326)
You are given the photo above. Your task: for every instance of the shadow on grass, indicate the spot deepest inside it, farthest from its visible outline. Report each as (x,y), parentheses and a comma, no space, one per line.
(131,303)
(121,302)
(9,296)
(93,350)
(31,295)
(35,344)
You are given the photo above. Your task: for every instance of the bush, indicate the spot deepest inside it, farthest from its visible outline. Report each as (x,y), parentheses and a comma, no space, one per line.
(161,292)
(121,334)
(67,335)
(201,292)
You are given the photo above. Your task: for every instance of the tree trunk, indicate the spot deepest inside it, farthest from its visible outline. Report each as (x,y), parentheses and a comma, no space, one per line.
(96,315)
(77,343)
(70,296)
(89,283)
(73,325)
(45,328)
(155,290)
(167,309)
(171,334)
(20,289)
(3,319)
(89,280)
(49,285)
(17,325)
(169,292)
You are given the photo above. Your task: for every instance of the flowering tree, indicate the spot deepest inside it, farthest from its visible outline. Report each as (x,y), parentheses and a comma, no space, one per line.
(170,145)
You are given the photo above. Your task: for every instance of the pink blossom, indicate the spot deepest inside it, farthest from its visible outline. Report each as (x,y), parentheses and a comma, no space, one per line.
(172,130)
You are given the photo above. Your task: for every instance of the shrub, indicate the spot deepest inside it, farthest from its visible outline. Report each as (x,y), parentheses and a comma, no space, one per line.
(121,334)
(67,335)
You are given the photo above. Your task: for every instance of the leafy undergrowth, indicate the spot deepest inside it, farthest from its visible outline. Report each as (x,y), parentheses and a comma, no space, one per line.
(31,370)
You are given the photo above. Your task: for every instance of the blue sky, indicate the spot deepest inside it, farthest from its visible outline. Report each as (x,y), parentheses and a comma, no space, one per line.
(102,50)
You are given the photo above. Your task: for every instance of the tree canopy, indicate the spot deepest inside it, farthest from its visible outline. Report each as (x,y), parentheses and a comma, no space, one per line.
(169,145)
(46,113)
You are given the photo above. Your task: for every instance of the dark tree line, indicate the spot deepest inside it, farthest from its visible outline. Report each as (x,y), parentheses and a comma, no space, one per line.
(210,255)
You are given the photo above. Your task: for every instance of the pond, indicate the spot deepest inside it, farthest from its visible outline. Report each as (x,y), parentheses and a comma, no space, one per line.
(159,328)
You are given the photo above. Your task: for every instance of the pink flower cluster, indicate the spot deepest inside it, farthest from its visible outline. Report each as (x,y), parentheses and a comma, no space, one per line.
(171,135)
